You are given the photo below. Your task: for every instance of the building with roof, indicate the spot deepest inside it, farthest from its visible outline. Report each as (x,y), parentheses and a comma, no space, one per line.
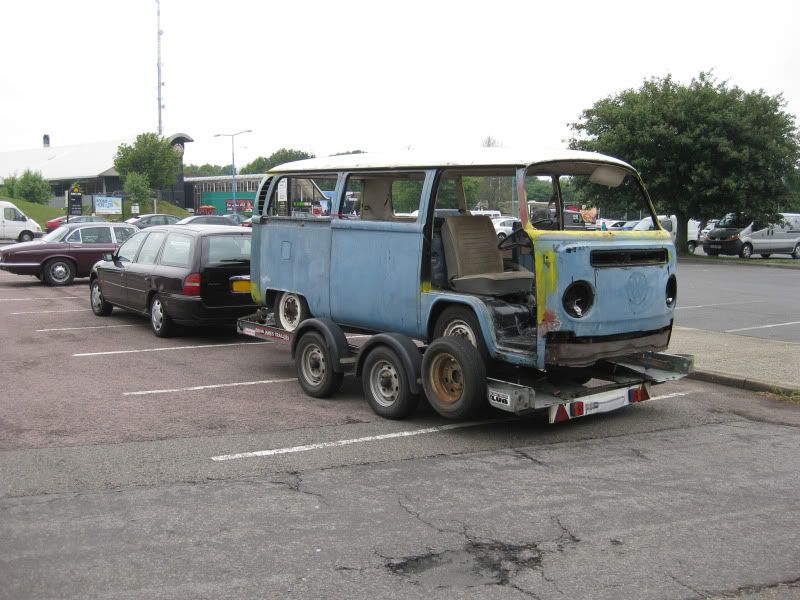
(91,165)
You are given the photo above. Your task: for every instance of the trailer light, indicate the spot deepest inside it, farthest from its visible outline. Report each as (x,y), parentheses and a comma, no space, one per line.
(191,284)
(672,291)
(639,394)
(578,299)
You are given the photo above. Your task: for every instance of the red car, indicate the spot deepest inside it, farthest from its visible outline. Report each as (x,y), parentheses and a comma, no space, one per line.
(66,253)
(54,224)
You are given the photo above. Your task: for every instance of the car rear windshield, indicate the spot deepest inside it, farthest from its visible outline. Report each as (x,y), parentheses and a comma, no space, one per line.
(226,248)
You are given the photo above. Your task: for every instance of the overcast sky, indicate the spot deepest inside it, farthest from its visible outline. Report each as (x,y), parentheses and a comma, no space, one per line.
(337,75)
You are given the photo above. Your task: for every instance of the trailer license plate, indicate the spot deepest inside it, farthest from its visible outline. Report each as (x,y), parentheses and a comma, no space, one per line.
(239,286)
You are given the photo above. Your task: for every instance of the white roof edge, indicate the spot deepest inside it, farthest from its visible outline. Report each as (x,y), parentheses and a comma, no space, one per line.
(484,157)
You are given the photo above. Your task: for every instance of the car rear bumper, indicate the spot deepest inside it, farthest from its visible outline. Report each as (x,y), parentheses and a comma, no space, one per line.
(190,310)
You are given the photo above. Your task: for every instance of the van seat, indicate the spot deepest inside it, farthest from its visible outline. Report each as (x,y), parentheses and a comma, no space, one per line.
(474,263)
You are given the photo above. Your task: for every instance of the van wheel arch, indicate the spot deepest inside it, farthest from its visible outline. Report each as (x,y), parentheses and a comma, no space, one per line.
(25,236)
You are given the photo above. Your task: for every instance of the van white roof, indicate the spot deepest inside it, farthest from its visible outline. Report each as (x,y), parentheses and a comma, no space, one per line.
(482,157)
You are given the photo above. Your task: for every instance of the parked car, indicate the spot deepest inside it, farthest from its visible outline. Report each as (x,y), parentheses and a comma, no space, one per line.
(629,225)
(151,220)
(247,222)
(503,226)
(177,274)
(54,224)
(16,225)
(208,220)
(66,253)
(708,227)
(240,218)
(738,234)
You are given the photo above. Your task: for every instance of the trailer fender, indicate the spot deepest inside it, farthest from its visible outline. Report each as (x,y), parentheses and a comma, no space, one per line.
(334,339)
(405,348)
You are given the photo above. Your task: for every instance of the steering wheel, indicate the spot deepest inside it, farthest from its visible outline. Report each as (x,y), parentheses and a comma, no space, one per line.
(515,239)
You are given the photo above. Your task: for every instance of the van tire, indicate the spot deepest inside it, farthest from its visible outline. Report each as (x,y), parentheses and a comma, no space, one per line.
(691,246)
(290,310)
(58,271)
(796,252)
(460,321)
(746,251)
(454,377)
(385,383)
(314,365)
(25,236)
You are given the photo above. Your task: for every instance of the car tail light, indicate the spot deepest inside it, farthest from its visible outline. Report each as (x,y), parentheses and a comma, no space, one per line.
(191,285)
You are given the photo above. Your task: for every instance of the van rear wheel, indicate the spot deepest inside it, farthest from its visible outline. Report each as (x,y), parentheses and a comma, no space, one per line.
(460,321)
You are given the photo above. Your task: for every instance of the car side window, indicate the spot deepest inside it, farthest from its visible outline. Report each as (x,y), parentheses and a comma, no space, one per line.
(123,233)
(150,248)
(74,237)
(127,252)
(177,250)
(172,220)
(96,235)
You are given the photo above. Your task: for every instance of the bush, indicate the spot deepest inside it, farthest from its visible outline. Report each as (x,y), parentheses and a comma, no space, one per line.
(31,187)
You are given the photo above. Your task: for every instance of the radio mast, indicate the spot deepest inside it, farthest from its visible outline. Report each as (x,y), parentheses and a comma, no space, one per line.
(158,65)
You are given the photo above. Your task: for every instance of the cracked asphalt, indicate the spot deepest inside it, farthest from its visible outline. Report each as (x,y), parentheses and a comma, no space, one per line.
(106,494)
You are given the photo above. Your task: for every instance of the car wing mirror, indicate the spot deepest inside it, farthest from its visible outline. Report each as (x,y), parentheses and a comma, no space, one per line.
(108,256)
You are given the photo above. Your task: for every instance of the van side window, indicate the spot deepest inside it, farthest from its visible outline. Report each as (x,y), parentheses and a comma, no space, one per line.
(383,197)
(302,197)
(9,214)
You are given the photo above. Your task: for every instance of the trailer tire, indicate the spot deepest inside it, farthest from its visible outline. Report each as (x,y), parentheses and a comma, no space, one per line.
(454,377)
(385,382)
(314,365)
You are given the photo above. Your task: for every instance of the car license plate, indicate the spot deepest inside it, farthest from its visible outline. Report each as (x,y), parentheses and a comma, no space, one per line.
(716,246)
(239,286)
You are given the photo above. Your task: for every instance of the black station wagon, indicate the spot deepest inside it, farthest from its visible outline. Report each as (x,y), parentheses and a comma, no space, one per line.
(177,274)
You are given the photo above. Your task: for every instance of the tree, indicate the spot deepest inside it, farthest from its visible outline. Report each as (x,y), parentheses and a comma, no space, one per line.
(138,188)
(206,170)
(262,164)
(31,187)
(150,155)
(704,149)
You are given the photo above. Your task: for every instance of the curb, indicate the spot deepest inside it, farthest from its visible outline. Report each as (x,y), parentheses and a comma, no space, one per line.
(754,385)
(707,260)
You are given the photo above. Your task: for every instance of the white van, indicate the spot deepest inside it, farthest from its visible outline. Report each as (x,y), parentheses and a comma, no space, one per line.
(15,225)
(737,234)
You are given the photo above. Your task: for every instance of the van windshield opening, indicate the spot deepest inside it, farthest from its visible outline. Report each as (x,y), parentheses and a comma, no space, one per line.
(734,221)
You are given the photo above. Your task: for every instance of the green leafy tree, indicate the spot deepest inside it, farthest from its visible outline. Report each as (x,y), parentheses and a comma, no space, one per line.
(32,187)
(206,170)
(138,188)
(704,149)
(10,185)
(348,152)
(150,155)
(264,164)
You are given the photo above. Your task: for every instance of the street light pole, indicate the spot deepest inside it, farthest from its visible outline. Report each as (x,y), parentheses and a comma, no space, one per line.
(233,162)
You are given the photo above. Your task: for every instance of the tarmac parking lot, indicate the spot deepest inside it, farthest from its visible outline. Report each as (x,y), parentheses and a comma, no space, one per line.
(194,466)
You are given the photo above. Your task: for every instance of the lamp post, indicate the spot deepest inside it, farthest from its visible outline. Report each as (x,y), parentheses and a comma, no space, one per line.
(233,161)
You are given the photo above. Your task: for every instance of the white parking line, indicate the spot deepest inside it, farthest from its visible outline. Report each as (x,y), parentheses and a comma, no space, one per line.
(32,299)
(208,387)
(42,312)
(721,304)
(761,327)
(170,348)
(372,438)
(385,436)
(88,327)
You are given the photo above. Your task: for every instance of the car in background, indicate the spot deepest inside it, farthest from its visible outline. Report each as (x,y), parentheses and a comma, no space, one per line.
(151,220)
(248,222)
(705,230)
(240,218)
(16,225)
(54,224)
(66,253)
(208,220)
(503,226)
(610,224)
(177,275)
(629,225)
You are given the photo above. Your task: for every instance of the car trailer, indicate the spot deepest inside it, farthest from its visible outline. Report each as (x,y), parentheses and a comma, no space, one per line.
(396,371)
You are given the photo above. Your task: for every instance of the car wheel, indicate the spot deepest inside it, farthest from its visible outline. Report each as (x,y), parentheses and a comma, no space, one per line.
(99,306)
(691,246)
(25,236)
(290,310)
(454,377)
(501,236)
(712,253)
(385,383)
(58,271)
(461,321)
(796,252)
(315,367)
(160,321)
(766,255)
(746,251)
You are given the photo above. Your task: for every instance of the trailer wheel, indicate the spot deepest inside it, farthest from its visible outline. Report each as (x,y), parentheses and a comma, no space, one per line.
(385,383)
(454,377)
(315,366)
(290,310)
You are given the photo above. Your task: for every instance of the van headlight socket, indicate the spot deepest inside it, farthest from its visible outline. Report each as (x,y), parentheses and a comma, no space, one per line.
(578,299)
(672,290)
